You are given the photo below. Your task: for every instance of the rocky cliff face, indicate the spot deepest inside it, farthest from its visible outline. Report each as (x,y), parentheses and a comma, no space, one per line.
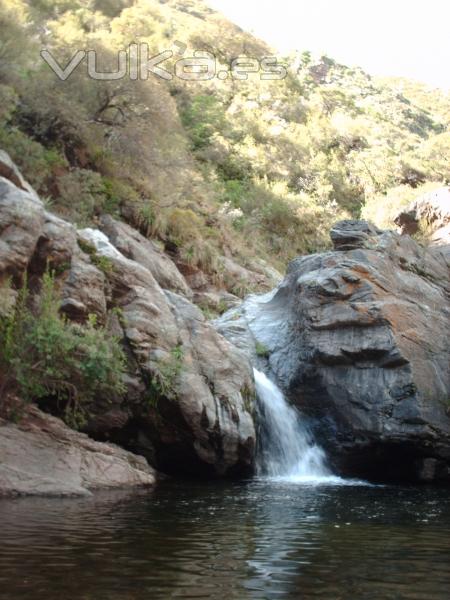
(200,420)
(358,340)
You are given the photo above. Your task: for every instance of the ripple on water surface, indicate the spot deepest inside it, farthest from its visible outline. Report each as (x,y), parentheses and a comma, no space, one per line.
(256,540)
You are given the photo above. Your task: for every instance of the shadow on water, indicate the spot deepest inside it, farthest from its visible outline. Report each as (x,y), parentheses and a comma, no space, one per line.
(258,539)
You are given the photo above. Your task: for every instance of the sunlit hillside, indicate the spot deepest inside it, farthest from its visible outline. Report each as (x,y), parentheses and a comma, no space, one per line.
(241,168)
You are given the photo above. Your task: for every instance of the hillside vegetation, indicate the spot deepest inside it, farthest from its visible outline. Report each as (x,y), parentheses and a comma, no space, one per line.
(236,168)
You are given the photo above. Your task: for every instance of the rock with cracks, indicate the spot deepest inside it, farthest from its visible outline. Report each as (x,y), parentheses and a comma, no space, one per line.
(41,456)
(358,340)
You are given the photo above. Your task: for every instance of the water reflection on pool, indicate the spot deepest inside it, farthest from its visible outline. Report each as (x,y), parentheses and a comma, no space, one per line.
(250,540)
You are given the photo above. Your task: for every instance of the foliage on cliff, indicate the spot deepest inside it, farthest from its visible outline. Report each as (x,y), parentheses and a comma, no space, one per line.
(235,167)
(44,356)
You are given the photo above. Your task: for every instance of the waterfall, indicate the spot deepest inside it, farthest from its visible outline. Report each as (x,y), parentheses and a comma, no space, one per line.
(287,449)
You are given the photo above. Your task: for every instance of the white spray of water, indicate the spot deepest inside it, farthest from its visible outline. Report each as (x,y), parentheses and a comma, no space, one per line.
(288,451)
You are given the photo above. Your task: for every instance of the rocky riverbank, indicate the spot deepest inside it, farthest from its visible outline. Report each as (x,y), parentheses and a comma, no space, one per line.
(40,455)
(357,338)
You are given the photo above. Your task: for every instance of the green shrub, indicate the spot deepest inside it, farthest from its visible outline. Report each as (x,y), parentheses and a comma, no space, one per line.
(234,167)
(166,379)
(8,102)
(44,356)
(202,118)
(234,191)
(261,350)
(117,193)
(103,263)
(35,161)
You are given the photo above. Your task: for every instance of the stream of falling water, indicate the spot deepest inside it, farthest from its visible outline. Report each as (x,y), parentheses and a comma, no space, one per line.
(288,451)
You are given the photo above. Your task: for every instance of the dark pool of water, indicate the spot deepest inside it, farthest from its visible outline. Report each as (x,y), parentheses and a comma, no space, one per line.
(230,541)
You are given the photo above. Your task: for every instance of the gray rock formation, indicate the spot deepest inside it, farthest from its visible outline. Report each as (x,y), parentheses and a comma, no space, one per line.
(358,340)
(42,456)
(200,418)
(190,393)
(356,337)
(136,247)
(21,223)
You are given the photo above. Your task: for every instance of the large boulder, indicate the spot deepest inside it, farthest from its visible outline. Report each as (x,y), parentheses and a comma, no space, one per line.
(146,252)
(42,456)
(199,388)
(358,340)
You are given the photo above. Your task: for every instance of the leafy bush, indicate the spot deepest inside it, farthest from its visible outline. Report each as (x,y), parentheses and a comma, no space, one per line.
(165,381)
(44,356)
(234,191)
(8,102)
(202,117)
(34,160)
(117,193)
(261,350)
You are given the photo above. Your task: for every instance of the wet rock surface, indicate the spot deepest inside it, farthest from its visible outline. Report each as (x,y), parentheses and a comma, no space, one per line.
(358,340)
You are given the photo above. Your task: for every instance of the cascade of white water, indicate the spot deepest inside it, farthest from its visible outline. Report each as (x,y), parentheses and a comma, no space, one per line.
(287,448)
